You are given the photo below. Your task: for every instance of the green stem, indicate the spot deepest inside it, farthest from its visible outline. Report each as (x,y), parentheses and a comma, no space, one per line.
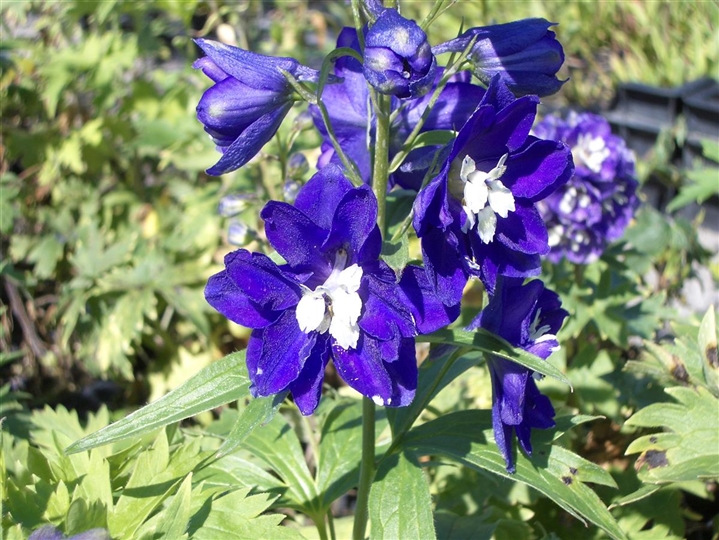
(331,523)
(321,527)
(380,170)
(367,470)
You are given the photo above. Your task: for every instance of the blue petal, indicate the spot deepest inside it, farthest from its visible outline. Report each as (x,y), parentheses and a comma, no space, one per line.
(250,141)
(354,219)
(253,69)
(285,349)
(429,312)
(307,388)
(223,294)
(261,280)
(293,234)
(319,197)
(443,261)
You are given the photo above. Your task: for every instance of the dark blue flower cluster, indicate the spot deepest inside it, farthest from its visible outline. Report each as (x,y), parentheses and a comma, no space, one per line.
(332,296)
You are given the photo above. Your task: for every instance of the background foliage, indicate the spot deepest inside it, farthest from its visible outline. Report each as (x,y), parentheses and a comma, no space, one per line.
(110,230)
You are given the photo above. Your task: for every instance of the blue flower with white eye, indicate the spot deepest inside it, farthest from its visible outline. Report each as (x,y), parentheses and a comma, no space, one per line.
(529,317)
(332,299)
(477,217)
(246,105)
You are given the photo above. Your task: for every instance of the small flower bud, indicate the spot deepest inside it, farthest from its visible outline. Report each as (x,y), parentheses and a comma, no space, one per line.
(297,166)
(231,205)
(289,190)
(238,234)
(398,59)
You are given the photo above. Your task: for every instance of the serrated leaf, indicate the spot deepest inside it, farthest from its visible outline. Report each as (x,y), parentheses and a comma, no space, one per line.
(467,436)
(156,475)
(222,382)
(482,340)
(688,448)
(238,516)
(340,451)
(171,523)
(400,505)
(257,412)
(276,444)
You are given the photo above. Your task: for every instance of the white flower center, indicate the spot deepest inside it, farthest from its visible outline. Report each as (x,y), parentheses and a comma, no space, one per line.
(335,305)
(590,152)
(485,197)
(538,335)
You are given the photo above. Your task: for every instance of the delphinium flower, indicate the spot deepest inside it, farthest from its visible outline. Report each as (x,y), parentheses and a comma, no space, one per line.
(247,103)
(48,532)
(398,59)
(529,317)
(598,202)
(526,54)
(333,299)
(352,118)
(477,217)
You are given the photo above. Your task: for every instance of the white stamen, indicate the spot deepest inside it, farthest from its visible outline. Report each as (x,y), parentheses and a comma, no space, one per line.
(485,197)
(378,400)
(335,305)
(590,152)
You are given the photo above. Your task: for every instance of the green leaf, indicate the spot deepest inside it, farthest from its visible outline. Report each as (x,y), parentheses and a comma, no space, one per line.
(155,476)
(400,505)
(688,448)
(482,340)
(453,527)
(340,451)
(396,254)
(435,373)
(468,437)
(171,523)
(222,382)
(238,516)
(708,347)
(433,138)
(276,444)
(258,411)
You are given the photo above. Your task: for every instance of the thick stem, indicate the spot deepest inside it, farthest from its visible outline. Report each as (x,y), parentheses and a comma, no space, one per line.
(367,470)
(380,170)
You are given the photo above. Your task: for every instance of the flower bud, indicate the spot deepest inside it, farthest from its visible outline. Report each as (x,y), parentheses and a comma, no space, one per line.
(231,205)
(398,59)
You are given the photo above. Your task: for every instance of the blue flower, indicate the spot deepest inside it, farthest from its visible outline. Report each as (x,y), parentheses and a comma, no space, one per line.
(526,54)
(477,217)
(247,103)
(527,316)
(598,202)
(48,532)
(398,59)
(350,111)
(333,299)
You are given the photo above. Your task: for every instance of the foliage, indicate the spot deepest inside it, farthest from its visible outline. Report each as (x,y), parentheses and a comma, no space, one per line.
(110,231)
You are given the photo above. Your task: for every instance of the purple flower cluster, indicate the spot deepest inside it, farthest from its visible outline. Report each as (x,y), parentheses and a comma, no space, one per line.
(599,201)
(332,296)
